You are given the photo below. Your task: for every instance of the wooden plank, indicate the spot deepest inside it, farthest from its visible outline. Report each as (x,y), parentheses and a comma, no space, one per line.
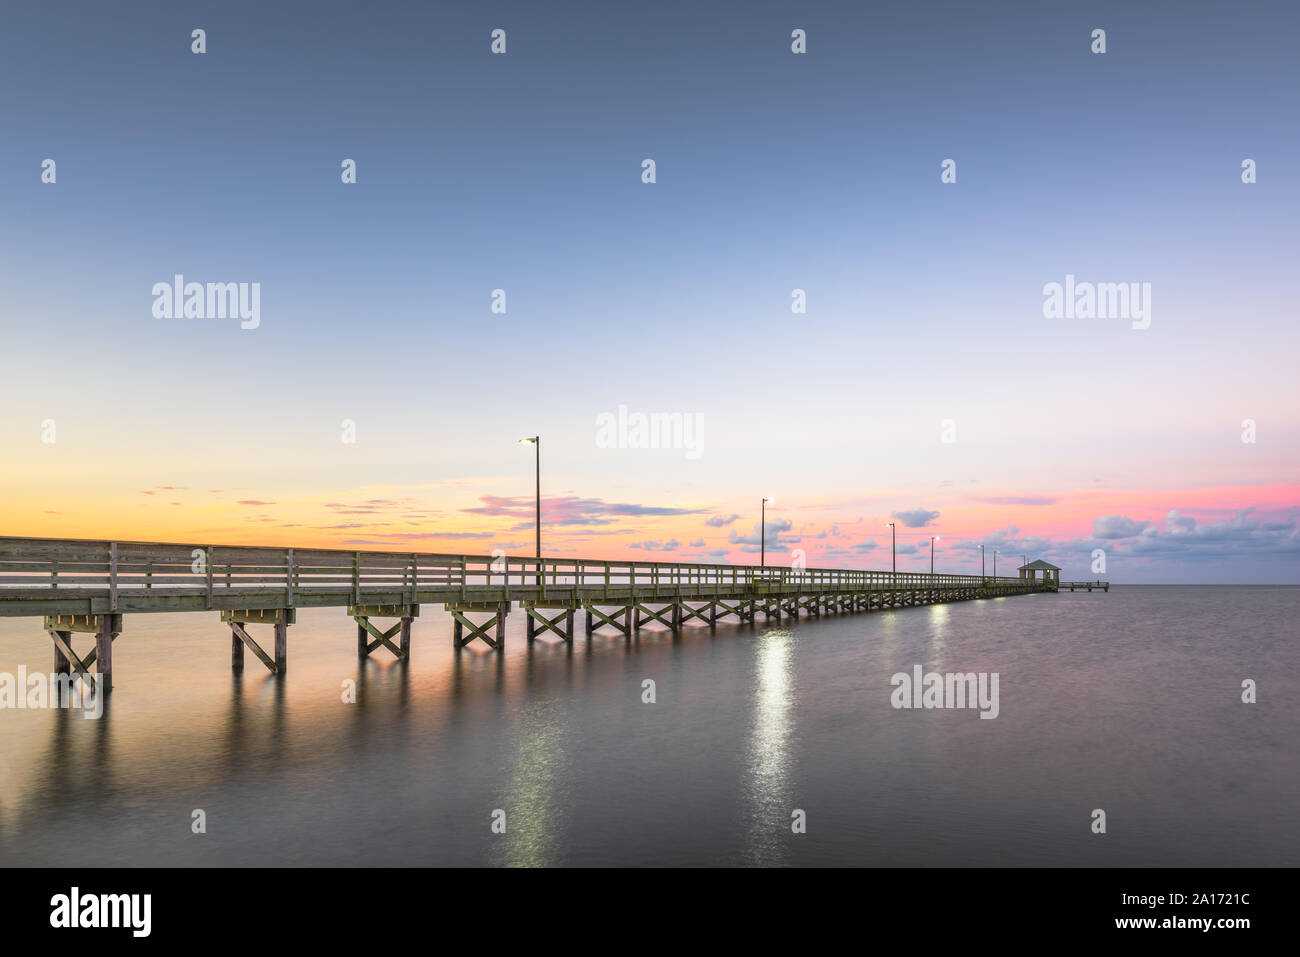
(176,553)
(281,645)
(85,624)
(104,651)
(260,616)
(402,610)
(65,649)
(57,576)
(477,631)
(382,638)
(243,636)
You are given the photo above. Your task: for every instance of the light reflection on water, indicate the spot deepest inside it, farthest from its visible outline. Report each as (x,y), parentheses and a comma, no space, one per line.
(769,782)
(532,831)
(1127,700)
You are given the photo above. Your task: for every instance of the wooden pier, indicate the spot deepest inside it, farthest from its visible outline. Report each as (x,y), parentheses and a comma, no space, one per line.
(88,587)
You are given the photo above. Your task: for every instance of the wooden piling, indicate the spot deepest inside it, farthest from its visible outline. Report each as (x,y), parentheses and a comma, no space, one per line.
(281,646)
(104,650)
(62,666)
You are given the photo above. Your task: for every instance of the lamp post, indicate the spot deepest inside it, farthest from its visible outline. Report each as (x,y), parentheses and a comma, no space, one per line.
(933,539)
(893,547)
(536,443)
(995,564)
(762,531)
(981,564)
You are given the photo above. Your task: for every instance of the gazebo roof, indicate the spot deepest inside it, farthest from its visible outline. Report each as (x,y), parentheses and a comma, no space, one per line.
(1038,565)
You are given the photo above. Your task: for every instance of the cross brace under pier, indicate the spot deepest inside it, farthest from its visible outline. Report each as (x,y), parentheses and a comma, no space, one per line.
(105,628)
(463,623)
(370,638)
(539,623)
(597,619)
(278,618)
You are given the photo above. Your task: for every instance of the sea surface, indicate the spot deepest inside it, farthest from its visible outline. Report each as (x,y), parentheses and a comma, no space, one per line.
(1128,702)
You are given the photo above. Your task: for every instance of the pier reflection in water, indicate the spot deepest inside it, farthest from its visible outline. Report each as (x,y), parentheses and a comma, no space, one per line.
(1128,702)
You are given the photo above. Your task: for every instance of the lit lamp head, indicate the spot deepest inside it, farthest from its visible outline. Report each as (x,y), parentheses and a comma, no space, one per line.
(532,441)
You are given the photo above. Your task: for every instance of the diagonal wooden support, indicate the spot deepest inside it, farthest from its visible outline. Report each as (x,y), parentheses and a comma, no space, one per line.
(243,636)
(549,624)
(653,616)
(460,623)
(405,613)
(702,613)
(239,619)
(65,658)
(723,609)
(381,638)
(475,631)
(104,628)
(598,619)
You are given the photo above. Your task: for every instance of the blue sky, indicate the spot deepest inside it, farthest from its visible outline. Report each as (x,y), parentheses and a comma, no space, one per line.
(775,172)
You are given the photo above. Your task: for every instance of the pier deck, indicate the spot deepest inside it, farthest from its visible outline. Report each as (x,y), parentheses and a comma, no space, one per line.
(88,586)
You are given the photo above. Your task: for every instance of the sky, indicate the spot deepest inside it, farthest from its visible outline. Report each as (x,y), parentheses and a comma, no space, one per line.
(379,399)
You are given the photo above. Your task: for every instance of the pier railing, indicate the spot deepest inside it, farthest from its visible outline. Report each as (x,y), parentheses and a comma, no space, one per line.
(148,576)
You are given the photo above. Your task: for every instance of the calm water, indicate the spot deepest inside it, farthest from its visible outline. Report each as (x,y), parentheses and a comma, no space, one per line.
(1127,701)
